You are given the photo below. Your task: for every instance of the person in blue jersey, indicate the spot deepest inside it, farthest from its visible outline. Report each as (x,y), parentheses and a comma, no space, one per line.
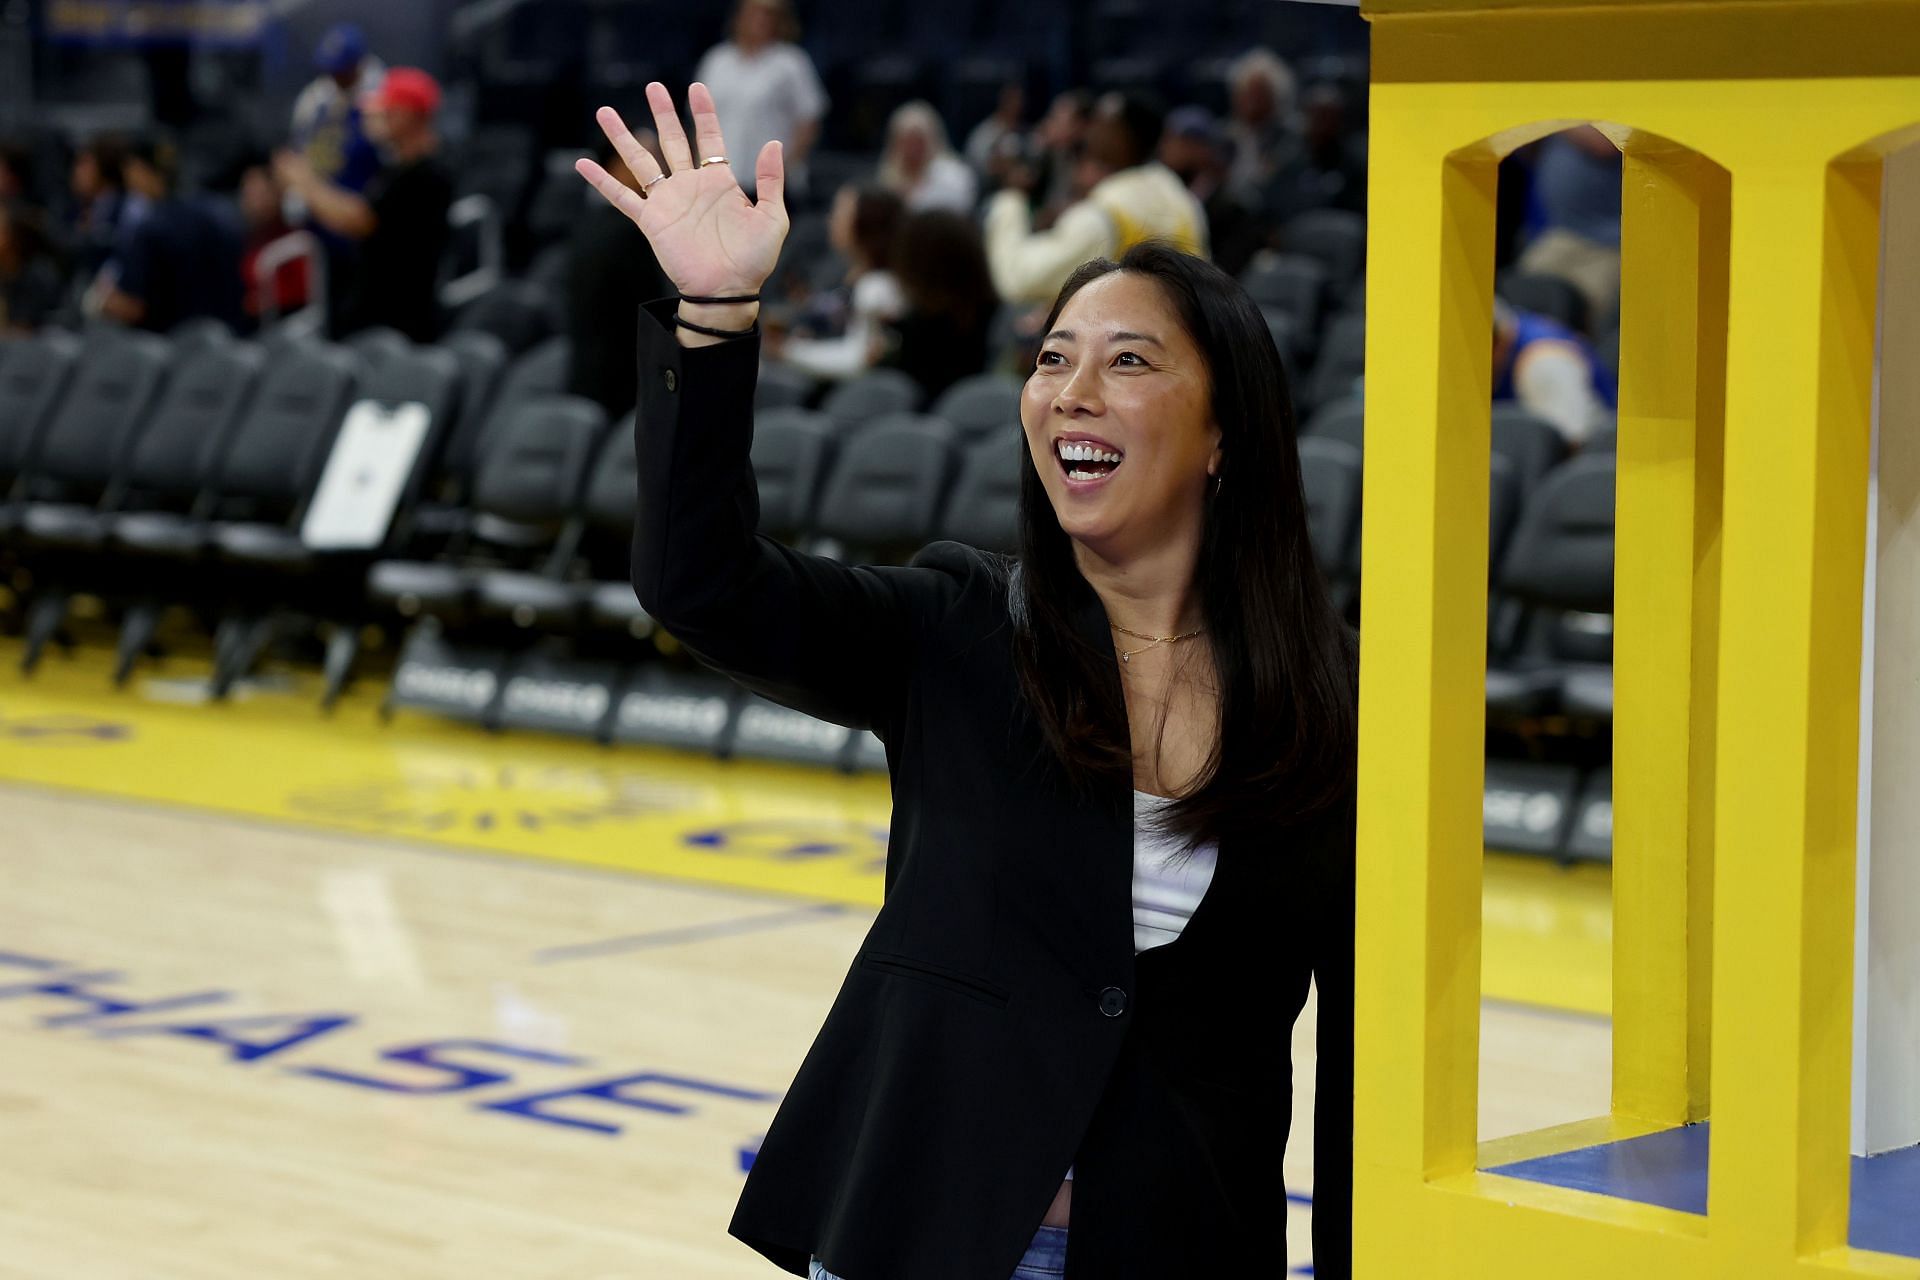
(1552,371)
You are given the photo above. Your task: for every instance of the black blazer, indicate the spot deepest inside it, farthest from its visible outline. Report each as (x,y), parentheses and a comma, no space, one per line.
(996,1025)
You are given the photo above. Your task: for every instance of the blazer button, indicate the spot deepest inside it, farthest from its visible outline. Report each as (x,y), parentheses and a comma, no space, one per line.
(1113,1002)
(672,380)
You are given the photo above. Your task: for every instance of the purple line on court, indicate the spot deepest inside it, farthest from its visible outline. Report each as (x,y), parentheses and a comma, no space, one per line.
(690,933)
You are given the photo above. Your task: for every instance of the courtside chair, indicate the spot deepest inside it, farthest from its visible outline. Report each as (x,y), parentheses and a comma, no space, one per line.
(883,495)
(378,344)
(1335,238)
(264,478)
(855,403)
(1290,282)
(79,464)
(594,551)
(1338,367)
(1330,473)
(984,509)
(792,450)
(518,312)
(275,581)
(525,514)
(33,377)
(1533,444)
(985,404)
(781,386)
(1555,630)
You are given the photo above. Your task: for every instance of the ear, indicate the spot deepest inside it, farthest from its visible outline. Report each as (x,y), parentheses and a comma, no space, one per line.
(1218,456)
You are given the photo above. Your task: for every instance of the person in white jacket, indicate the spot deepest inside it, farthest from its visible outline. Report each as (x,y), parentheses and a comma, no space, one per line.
(1131,197)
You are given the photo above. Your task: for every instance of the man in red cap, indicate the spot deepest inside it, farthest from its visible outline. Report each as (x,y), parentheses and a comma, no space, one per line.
(400,221)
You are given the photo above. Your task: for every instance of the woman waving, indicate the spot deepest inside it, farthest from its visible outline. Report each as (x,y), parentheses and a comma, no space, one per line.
(1122,764)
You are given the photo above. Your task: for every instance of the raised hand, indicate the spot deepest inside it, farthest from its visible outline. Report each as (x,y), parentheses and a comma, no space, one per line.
(710,239)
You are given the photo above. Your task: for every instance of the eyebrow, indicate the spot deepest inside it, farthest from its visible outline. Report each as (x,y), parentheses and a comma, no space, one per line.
(1124,335)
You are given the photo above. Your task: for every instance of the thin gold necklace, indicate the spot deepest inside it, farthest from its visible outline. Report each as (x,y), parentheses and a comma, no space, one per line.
(1126,655)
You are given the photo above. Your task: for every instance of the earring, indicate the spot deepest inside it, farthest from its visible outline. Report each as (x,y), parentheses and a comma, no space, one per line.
(1216,483)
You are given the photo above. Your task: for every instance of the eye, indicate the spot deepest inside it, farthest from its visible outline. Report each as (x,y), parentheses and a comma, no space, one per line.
(1050,357)
(1136,361)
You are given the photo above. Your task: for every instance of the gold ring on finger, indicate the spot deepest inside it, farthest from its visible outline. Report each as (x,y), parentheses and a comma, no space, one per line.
(713,160)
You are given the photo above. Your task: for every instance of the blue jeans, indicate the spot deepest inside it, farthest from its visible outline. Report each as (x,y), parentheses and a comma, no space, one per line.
(1046,1258)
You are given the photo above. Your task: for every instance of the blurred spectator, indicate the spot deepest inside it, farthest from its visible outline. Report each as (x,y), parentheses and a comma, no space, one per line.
(993,137)
(764,87)
(1130,197)
(261,212)
(942,266)
(30,281)
(401,221)
(1576,183)
(1268,170)
(330,131)
(862,227)
(1550,370)
(103,207)
(610,270)
(1058,142)
(1336,155)
(919,164)
(328,125)
(181,261)
(1195,147)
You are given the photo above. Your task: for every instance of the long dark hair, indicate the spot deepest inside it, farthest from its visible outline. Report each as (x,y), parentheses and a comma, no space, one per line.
(942,266)
(1286,660)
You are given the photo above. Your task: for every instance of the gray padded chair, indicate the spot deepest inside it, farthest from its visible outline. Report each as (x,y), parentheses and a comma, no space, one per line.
(1556,585)
(1534,445)
(873,394)
(1330,476)
(33,378)
(557,598)
(525,493)
(986,404)
(1335,238)
(885,490)
(1341,362)
(792,449)
(984,509)
(1291,282)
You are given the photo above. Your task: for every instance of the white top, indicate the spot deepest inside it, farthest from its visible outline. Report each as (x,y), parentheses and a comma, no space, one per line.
(946,183)
(877,300)
(1165,891)
(1164,897)
(759,98)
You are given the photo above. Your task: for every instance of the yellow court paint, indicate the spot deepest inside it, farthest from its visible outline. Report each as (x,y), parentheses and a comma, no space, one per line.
(743,824)
(274,755)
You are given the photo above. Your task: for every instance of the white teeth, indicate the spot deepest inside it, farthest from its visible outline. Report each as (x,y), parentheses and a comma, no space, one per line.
(1075,451)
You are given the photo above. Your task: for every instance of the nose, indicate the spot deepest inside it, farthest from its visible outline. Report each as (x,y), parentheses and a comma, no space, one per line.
(1080,396)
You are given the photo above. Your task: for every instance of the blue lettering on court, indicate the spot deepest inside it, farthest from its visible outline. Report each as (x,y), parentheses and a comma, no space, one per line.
(95,1002)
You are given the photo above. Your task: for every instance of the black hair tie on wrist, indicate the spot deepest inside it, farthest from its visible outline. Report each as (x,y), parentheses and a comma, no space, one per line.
(721,302)
(685,323)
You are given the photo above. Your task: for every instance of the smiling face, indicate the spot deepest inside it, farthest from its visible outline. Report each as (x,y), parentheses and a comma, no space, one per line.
(1118,417)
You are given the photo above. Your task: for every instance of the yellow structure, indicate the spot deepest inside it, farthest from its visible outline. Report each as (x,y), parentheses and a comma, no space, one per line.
(1753,136)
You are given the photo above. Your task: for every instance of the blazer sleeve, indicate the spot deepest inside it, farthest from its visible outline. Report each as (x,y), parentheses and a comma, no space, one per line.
(1333,1078)
(833,640)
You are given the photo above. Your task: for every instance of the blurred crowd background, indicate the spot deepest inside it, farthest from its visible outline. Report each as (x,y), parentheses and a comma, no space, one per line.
(348,169)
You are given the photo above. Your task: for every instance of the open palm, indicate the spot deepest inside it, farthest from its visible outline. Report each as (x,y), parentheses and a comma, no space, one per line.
(710,239)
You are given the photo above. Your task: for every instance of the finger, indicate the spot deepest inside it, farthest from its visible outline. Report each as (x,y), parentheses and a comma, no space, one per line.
(706,122)
(638,158)
(770,178)
(618,194)
(666,123)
